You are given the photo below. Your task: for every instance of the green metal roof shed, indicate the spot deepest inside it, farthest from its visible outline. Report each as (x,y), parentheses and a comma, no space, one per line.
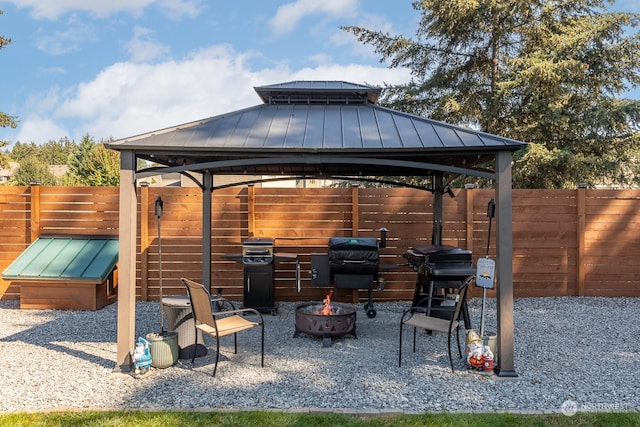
(65,258)
(58,272)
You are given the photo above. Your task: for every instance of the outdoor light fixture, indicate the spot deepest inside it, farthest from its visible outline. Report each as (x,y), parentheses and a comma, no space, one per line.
(383,237)
(491,209)
(159,205)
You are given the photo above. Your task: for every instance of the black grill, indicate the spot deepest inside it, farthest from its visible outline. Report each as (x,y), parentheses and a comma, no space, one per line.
(439,267)
(257,251)
(441,261)
(352,263)
(353,255)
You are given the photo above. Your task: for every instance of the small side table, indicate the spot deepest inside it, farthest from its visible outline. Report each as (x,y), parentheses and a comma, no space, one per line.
(180,320)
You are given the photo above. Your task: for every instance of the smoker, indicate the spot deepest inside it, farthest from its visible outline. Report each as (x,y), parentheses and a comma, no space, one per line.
(352,263)
(439,268)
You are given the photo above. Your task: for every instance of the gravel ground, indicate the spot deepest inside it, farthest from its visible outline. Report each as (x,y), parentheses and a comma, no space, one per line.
(583,351)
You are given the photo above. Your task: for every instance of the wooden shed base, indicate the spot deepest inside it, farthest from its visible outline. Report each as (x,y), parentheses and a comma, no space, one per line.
(65,295)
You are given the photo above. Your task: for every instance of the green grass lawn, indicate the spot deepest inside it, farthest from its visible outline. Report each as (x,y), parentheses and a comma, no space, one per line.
(282,419)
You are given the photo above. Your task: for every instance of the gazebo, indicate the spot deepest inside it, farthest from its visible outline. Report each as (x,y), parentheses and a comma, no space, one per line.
(306,129)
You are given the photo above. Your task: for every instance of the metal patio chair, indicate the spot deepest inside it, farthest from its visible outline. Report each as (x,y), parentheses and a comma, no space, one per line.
(418,318)
(219,323)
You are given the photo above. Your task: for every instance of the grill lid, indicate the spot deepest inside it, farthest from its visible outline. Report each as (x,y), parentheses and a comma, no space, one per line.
(257,250)
(258,241)
(353,243)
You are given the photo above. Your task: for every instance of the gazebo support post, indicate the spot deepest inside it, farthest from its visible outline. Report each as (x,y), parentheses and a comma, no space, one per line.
(504,263)
(127,262)
(207,197)
(436,233)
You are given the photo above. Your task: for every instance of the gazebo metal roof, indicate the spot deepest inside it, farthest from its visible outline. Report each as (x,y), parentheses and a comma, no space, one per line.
(316,128)
(300,120)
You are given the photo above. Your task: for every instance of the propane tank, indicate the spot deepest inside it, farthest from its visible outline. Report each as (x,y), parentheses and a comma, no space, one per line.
(142,356)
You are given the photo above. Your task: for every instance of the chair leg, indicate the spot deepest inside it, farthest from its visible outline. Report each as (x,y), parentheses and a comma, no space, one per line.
(458,341)
(414,339)
(262,346)
(215,366)
(400,348)
(449,348)
(195,348)
(235,343)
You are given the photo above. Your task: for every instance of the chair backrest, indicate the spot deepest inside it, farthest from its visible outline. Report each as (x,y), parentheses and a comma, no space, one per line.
(200,302)
(462,294)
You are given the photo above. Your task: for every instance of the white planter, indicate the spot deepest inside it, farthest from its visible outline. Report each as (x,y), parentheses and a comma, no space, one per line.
(163,348)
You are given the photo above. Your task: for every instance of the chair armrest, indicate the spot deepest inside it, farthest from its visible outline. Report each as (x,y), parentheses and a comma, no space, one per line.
(239,311)
(221,301)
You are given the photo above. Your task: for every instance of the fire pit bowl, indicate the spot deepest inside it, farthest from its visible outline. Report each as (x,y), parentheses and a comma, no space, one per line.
(310,320)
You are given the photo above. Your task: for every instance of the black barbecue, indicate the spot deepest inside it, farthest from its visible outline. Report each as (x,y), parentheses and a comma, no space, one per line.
(259,260)
(352,263)
(259,271)
(440,268)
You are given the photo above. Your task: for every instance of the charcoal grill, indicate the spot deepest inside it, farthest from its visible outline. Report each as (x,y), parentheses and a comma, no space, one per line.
(352,263)
(439,268)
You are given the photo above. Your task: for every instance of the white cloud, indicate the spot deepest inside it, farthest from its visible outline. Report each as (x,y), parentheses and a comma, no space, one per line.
(39,129)
(142,48)
(126,99)
(354,73)
(289,15)
(129,98)
(53,9)
(69,40)
(177,9)
(52,70)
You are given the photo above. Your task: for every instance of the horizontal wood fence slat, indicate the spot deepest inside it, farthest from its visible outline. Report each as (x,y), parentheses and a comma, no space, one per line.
(565,242)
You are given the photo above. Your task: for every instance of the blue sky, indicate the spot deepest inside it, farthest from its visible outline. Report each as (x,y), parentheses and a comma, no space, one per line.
(117,68)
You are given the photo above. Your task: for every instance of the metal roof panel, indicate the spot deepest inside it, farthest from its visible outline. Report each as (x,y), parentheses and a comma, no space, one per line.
(407,131)
(65,258)
(306,126)
(316,127)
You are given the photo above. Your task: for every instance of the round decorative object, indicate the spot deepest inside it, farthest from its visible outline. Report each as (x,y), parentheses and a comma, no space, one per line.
(163,348)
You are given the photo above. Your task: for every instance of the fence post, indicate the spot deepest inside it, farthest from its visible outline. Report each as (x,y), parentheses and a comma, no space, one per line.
(144,241)
(581,225)
(251,210)
(355,210)
(35,210)
(355,227)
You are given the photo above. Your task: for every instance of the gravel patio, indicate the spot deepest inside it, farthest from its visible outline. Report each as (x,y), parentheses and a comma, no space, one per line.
(578,350)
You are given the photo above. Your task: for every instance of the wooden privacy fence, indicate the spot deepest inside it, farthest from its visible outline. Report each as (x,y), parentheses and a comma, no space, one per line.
(565,242)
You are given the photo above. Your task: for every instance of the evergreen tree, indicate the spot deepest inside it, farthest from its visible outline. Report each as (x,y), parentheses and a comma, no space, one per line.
(22,151)
(6,120)
(79,159)
(57,152)
(103,167)
(548,73)
(33,169)
(4,157)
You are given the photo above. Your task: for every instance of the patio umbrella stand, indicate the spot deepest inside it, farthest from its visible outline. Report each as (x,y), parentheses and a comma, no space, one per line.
(163,345)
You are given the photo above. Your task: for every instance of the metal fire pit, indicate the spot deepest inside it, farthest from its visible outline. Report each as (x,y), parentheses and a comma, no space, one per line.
(310,321)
